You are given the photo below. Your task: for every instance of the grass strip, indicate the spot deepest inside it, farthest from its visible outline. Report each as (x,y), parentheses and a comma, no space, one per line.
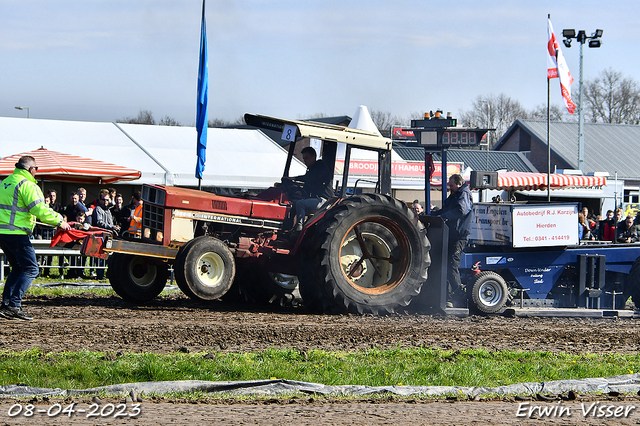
(54,287)
(416,366)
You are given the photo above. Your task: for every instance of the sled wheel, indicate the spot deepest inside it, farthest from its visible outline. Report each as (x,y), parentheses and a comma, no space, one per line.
(371,255)
(632,284)
(615,282)
(204,268)
(137,278)
(253,284)
(489,292)
(269,288)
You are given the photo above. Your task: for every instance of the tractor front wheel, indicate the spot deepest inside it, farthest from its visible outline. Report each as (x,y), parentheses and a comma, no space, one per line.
(204,268)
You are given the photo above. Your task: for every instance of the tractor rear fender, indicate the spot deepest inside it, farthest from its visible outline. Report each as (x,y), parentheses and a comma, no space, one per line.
(316,218)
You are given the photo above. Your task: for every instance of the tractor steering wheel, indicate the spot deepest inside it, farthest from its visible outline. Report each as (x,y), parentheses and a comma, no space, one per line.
(293,190)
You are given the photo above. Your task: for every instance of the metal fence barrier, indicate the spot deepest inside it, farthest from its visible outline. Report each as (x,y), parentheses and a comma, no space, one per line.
(43,252)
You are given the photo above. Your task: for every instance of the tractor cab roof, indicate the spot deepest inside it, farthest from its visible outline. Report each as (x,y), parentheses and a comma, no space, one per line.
(327,132)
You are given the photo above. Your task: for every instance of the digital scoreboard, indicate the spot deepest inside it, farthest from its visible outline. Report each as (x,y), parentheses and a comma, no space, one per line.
(456,137)
(440,132)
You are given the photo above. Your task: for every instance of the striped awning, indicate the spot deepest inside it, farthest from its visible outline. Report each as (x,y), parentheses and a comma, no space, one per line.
(56,166)
(521,181)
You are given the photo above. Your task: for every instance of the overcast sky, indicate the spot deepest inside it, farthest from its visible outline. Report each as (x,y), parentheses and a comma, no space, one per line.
(101,60)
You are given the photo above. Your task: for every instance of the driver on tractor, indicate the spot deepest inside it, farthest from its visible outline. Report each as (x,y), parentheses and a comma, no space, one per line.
(316,188)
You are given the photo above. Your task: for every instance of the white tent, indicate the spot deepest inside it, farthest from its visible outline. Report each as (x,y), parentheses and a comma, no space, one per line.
(236,158)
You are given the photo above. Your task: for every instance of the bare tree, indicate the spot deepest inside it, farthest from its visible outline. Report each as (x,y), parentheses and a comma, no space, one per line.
(493,112)
(220,122)
(556,113)
(168,121)
(312,116)
(611,98)
(415,115)
(384,120)
(144,117)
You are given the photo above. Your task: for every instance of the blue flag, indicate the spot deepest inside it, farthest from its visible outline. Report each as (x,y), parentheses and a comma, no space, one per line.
(203,98)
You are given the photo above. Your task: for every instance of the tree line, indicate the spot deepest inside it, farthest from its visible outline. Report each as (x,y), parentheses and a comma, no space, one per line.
(609,98)
(146,117)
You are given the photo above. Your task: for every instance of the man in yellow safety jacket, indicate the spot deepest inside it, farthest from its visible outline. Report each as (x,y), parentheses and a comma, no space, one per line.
(21,202)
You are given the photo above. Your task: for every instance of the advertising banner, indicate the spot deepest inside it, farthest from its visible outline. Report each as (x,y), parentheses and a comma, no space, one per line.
(545,225)
(524,225)
(409,169)
(491,225)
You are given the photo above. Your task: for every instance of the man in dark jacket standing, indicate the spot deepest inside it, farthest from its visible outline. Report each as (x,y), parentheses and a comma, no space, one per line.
(457,212)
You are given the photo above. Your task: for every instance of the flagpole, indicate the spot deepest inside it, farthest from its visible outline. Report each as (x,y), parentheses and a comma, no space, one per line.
(548,145)
(548,139)
(556,68)
(202,101)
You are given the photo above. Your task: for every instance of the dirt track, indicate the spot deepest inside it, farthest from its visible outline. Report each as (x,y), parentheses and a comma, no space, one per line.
(102,323)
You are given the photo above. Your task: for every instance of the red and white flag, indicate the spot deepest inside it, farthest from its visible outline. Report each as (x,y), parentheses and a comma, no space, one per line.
(557,67)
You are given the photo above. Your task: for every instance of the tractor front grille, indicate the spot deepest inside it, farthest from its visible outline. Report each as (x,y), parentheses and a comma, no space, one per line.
(152,222)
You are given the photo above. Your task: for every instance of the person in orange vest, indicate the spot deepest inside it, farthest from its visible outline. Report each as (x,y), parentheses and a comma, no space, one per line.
(135,220)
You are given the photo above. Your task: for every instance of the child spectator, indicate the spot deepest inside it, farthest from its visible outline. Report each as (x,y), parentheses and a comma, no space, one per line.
(81,222)
(82,199)
(76,263)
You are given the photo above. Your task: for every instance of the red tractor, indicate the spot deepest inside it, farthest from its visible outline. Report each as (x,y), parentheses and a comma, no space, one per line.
(365,253)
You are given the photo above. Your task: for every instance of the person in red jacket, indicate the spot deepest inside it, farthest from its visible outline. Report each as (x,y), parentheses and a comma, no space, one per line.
(607,228)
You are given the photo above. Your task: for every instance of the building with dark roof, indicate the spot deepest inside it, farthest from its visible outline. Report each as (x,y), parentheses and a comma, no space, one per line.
(473,158)
(608,147)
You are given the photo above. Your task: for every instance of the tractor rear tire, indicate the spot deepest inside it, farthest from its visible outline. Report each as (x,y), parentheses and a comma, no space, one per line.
(204,268)
(237,292)
(632,284)
(310,288)
(137,279)
(489,292)
(370,255)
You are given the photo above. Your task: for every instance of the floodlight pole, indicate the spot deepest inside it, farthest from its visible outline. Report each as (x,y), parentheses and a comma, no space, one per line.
(595,41)
(581,113)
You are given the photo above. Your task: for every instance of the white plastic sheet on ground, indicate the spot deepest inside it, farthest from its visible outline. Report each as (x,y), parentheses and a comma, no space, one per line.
(629,383)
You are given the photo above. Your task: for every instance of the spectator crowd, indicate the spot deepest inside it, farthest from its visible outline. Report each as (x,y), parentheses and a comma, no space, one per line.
(613,228)
(108,211)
